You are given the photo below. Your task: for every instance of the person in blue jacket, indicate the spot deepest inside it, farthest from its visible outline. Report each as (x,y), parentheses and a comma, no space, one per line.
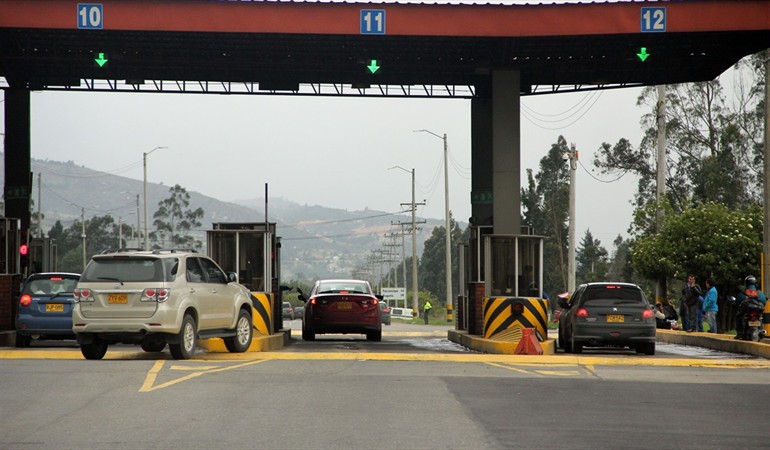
(710,307)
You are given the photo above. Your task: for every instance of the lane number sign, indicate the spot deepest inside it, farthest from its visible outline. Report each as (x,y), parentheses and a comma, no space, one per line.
(90,16)
(372,21)
(653,20)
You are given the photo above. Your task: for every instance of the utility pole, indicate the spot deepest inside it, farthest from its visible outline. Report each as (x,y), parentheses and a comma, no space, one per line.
(572,158)
(660,291)
(39,203)
(766,200)
(83,233)
(403,253)
(413,205)
(447,225)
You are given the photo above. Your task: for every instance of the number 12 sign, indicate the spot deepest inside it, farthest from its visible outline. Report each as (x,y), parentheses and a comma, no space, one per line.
(653,20)
(372,21)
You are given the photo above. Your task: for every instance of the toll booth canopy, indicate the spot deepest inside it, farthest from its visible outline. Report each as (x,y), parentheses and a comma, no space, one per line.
(249,250)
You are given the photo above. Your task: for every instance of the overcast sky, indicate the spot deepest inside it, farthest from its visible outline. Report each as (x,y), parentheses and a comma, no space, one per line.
(329,151)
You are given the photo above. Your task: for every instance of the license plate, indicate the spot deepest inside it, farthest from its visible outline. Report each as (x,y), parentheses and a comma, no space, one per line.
(616,318)
(753,323)
(344,305)
(54,307)
(117,299)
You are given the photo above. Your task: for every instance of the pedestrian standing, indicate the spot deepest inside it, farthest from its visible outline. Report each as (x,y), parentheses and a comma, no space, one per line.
(692,296)
(426,310)
(710,306)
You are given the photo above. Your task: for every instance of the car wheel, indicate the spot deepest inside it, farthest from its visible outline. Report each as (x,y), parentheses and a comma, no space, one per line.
(23,341)
(185,349)
(94,350)
(243,334)
(577,347)
(153,346)
(307,335)
(649,348)
(374,336)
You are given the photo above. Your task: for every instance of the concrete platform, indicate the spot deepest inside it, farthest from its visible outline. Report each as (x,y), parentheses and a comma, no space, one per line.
(494,346)
(722,342)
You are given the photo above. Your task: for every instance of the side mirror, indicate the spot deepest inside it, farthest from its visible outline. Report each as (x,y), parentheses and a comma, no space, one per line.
(232,277)
(301,295)
(563,303)
(380,297)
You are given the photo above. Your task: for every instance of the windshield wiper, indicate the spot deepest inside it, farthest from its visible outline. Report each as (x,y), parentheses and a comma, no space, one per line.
(111,279)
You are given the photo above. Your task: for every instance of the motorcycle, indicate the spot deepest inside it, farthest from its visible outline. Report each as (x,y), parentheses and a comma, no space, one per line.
(752,311)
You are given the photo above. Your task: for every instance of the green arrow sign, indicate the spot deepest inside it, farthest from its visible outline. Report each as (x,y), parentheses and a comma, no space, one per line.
(643,54)
(101,60)
(373,67)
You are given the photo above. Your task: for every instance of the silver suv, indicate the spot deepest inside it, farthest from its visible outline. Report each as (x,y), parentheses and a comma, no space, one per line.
(159,297)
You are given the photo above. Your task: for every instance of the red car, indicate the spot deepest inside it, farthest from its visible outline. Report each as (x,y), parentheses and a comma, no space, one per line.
(341,307)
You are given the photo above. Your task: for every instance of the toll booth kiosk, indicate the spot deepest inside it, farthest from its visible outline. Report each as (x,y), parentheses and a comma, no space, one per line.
(252,251)
(503,277)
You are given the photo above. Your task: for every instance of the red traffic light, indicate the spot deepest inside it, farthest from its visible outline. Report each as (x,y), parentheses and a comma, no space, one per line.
(23,249)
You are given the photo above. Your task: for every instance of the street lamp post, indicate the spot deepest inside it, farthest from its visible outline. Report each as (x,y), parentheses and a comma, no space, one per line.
(144,163)
(448,230)
(415,302)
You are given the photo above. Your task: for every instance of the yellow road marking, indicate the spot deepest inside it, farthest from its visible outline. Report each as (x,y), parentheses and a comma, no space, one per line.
(519,360)
(561,373)
(193,368)
(152,375)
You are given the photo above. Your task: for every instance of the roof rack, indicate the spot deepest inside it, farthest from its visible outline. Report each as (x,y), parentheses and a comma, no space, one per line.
(121,250)
(174,250)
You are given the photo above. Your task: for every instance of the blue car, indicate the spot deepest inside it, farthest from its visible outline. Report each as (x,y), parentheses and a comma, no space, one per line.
(45,307)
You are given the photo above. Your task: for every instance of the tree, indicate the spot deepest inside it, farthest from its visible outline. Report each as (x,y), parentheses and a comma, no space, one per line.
(545,204)
(708,240)
(432,268)
(174,220)
(714,149)
(592,263)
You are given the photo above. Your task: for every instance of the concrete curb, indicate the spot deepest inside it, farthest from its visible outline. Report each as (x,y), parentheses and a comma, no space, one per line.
(722,342)
(7,339)
(259,343)
(498,347)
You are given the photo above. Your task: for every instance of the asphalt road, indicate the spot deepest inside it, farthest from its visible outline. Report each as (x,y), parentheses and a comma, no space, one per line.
(413,390)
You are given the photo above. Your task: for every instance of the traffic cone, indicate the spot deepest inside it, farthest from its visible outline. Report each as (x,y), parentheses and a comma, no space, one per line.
(528,345)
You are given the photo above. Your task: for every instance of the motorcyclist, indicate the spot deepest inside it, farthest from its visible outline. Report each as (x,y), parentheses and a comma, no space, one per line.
(751,291)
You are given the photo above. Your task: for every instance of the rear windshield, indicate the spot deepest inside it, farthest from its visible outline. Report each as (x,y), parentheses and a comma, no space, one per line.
(131,269)
(613,295)
(351,287)
(51,285)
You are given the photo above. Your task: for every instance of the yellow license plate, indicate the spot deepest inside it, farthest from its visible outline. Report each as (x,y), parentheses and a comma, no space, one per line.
(753,323)
(117,299)
(54,307)
(616,318)
(344,305)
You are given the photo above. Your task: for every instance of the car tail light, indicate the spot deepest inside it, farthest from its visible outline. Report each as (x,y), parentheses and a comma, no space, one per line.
(155,295)
(312,301)
(582,312)
(83,295)
(25,300)
(647,314)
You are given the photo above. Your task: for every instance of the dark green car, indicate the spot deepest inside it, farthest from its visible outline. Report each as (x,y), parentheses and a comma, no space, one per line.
(607,315)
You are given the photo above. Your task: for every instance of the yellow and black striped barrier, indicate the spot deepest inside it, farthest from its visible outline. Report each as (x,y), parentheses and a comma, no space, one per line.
(262,322)
(502,314)
(262,312)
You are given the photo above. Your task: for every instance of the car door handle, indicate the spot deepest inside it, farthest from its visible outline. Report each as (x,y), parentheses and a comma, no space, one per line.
(213,291)
(192,290)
